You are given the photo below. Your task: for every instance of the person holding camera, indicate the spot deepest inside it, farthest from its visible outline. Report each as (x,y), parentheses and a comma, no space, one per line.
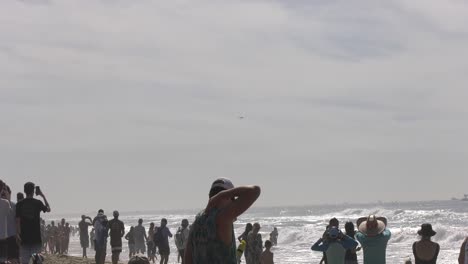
(334,244)
(28,222)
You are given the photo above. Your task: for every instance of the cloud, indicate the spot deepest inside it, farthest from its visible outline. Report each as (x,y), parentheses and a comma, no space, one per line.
(332,88)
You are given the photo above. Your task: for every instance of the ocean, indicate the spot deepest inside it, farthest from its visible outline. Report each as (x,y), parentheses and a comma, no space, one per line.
(300,227)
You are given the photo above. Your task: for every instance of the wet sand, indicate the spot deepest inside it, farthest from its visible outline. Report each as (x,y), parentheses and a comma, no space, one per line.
(54,259)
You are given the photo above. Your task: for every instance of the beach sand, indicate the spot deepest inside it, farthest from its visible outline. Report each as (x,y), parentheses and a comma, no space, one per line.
(54,259)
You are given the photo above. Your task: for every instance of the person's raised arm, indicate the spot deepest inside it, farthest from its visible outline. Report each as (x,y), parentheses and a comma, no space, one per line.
(319,246)
(244,197)
(47,206)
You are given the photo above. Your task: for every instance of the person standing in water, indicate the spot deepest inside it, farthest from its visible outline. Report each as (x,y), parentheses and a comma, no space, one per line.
(254,245)
(373,236)
(130,237)
(334,244)
(140,237)
(84,235)
(100,242)
(182,238)
(28,219)
(267,255)
(150,243)
(211,238)
(116,232)
(351,256)
(274,237)
(162,241)
(425,251)
(243,236)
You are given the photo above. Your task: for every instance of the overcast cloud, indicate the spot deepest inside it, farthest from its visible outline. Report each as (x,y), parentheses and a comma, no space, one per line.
(136,104)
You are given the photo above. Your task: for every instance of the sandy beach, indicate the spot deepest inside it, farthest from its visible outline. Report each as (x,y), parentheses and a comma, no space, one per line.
(62,259)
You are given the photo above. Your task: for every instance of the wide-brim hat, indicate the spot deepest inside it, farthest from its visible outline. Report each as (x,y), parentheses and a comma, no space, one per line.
(426,230)
(363,225)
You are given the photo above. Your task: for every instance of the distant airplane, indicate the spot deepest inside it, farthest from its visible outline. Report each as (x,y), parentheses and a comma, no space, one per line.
(241,117)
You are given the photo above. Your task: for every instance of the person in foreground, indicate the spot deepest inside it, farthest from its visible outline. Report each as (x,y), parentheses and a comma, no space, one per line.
(425,251)
(334,243)
(28,222)
(463,257)
(373,236)
(211,239)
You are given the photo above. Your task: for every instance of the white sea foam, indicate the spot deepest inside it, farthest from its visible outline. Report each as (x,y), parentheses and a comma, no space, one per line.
(299,228)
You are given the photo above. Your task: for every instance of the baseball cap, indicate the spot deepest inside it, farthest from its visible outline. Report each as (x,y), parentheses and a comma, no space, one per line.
(224,183)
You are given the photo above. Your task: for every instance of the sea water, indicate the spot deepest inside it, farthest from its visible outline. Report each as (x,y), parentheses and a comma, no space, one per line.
(300,227)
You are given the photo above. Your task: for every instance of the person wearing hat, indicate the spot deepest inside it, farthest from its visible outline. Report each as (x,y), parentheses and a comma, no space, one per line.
(425,251)
(211,239)
(116,232)
(334,244)
(373,236)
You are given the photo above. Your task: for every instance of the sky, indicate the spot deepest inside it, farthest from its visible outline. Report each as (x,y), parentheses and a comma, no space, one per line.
(136,105)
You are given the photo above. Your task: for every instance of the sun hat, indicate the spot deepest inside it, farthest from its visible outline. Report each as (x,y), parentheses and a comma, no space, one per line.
(426,230)
(224,183)
(371,225)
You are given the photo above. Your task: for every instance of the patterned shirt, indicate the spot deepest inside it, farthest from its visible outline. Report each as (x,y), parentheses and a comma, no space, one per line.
(206,247)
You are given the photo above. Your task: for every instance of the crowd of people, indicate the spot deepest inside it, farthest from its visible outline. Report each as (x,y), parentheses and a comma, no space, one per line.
(209,239)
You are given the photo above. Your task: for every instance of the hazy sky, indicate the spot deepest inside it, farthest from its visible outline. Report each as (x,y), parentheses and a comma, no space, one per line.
(136,104)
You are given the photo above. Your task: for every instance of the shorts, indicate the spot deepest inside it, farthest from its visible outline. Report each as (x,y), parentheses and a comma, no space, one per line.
(164,251)
(140,247)
(3,250)
(13,248)
(26,251)
(84,241)
(131,248)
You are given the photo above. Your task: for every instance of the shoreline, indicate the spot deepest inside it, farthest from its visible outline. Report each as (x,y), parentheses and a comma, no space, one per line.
(64,259)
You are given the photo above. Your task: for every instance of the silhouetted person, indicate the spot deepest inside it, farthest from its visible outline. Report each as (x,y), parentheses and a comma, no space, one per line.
(182,236)
(162,241)
(116,232)
(130,237)
(351,256)
(425,251)
(243,236)
(28,222)
(211,238)
(274,237)
(140,237)
(254,245)
(100,242)
(19,197)
(84,235)
(267,256)
(6,211)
